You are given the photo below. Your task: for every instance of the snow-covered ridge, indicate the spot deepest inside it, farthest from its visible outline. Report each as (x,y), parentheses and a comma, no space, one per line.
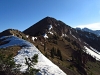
(14,41)
(45,65)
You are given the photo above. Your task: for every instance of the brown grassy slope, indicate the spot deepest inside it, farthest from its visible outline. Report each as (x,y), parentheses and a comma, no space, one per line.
(10,50)
(64,46)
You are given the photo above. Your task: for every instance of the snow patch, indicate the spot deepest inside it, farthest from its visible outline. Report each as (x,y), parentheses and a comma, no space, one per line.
(92,53)
(45,65)
(27,36)
(64,35)
(13,35)
(50,32)
(45,36)
(79,39)
(14,41)
(74,36)
(50,27)
(5,37)
(33,38)
(95,50)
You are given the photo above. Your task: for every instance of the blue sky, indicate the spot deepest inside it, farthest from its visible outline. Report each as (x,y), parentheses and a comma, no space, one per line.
(21,14)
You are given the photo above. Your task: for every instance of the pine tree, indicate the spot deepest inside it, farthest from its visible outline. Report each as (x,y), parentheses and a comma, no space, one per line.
(59,54)
(6,64)
(52,53)
(30,63)
(55,51)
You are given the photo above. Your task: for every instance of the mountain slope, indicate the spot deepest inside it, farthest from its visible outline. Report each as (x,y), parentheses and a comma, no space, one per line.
(76,52)
(53,35)
(28,50)
(90,38)
(49,27)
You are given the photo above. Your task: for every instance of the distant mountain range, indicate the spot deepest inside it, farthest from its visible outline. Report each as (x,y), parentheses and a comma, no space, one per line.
(75,51)
(97,32)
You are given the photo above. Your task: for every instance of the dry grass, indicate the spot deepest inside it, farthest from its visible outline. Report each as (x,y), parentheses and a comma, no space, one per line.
(10,50)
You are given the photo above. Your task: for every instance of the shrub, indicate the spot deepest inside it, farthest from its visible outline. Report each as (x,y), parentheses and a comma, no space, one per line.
(30,63)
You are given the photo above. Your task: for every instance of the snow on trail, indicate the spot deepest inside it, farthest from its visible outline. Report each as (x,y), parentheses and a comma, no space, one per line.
(13,41)
(45,65)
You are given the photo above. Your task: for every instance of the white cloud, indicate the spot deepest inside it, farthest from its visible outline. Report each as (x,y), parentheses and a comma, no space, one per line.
(93,26)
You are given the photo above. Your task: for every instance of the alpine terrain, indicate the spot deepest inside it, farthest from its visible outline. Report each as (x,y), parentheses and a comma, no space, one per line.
(97,32)
(60,49)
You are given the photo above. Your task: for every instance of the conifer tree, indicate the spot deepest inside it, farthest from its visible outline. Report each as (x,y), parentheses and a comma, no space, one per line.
(52,53)
(59,54)
(6,64)
(30,63)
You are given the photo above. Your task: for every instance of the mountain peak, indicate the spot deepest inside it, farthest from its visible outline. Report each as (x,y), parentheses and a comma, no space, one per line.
(43,26)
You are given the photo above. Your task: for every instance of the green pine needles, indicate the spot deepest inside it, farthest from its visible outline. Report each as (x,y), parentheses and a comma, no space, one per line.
(30,63)
(8,66)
